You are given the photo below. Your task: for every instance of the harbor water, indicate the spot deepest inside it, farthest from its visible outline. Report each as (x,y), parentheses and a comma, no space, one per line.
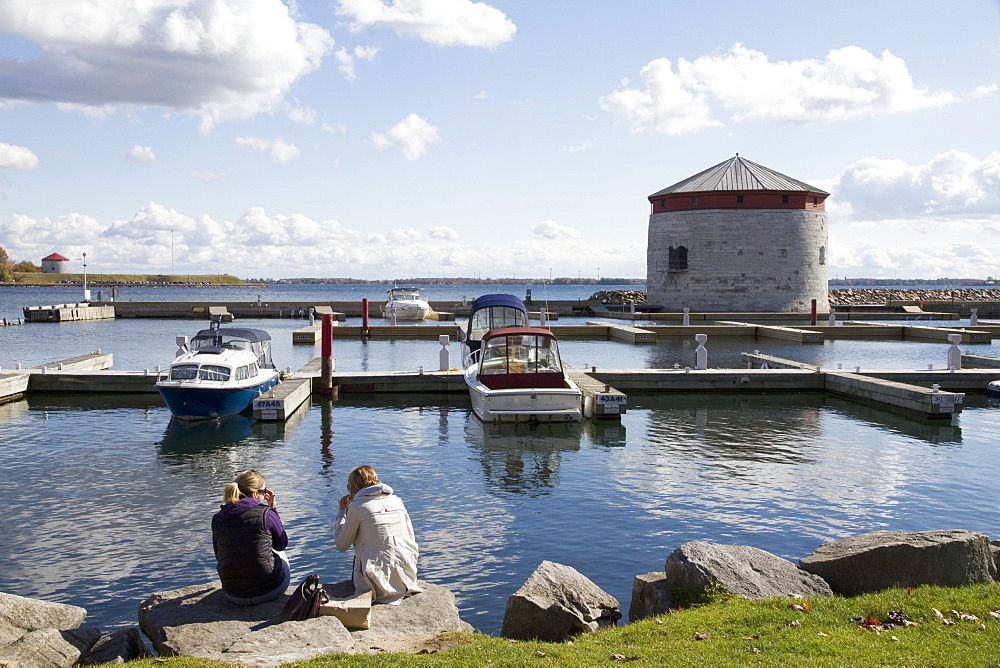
(109,500)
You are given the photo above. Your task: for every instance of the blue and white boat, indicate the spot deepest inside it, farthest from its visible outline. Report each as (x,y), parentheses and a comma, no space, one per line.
(220,373)
(493,312)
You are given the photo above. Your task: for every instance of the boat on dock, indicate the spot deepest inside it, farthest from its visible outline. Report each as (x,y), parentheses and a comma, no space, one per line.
(514,372)
(405,304)
(219,373)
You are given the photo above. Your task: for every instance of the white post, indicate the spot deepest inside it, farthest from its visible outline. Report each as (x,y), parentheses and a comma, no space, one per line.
(974,318)
(444,357)
(312,314)
(954,352)
(392,318)
(631,307)
(541,318)
(833,318)
(701,353)
(687,317)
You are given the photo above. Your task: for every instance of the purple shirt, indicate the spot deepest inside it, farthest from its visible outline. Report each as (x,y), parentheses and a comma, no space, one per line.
(279,539)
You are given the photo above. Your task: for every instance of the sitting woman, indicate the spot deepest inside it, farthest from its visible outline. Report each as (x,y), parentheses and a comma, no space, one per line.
(249,542)
(385,550)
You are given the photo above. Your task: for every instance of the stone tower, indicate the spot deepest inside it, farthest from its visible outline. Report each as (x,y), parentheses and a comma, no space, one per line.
(738,237)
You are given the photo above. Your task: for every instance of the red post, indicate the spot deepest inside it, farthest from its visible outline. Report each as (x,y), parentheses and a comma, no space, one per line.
(364,316)
(814,312)
(326,355)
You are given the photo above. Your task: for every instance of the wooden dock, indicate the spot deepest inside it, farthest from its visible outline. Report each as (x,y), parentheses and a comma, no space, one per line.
(928,333)
(781,332)
(68,313)
(623,333)
(283,399)
(600,400)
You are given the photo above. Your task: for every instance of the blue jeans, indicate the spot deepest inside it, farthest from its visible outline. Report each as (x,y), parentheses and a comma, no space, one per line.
(271,595)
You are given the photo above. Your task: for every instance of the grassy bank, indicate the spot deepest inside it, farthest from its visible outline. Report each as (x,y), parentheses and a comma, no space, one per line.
(38,278)
(894,627)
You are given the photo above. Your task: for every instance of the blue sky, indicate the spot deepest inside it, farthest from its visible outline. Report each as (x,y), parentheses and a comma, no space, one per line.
(402,138)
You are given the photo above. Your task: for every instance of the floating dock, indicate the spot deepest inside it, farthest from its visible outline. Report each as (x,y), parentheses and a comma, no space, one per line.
(781,332)
(623,333)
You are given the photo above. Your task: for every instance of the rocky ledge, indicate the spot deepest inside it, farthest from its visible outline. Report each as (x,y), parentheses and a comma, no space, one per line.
(844,296)
(200,621)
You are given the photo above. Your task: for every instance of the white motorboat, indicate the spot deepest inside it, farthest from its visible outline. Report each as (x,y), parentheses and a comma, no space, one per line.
(405,304)
(516,375)
(219,374)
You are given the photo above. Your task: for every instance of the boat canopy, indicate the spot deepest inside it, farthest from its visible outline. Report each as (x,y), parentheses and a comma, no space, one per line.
(520,357)
(493,312)
(403,293)
(236,338)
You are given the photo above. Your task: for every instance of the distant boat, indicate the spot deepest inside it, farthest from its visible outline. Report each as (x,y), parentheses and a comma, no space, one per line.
(222,371)
(514,372)
(405,304)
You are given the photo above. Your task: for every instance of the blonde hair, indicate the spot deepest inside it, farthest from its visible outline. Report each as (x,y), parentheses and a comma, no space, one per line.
(244,485)
(361,477)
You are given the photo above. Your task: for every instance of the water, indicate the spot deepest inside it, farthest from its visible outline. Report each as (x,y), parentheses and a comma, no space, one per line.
(109,500)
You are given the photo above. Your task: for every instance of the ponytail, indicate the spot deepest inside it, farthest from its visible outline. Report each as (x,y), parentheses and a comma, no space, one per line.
(231,493)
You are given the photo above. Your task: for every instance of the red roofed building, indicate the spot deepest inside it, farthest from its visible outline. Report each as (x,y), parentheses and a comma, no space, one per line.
(55,264)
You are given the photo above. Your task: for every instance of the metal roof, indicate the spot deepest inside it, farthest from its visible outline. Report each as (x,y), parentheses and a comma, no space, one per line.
(738,174)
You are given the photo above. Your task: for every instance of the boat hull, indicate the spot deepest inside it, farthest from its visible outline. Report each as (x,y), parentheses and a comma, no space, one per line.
(534,404)
(196,401)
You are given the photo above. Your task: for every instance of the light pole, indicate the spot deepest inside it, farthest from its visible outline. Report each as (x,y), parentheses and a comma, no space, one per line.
(86,295)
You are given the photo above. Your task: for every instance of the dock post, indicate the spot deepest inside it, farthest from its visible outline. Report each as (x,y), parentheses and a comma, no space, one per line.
(974,317)
(833,318)
(954,353)
(364,316)
(444,357)
(687,317)
(701,352)
(326,361)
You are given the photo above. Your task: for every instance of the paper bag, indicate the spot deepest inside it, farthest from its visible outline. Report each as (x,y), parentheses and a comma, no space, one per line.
(354,613)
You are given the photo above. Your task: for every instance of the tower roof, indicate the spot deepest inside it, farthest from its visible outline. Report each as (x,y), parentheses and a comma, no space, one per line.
(738,174)
(55,256)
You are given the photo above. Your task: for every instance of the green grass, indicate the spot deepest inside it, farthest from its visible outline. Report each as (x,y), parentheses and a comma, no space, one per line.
(737,632)
(38,278)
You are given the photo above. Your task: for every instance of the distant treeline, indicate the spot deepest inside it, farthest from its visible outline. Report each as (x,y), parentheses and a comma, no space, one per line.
(460,281)
(856,282)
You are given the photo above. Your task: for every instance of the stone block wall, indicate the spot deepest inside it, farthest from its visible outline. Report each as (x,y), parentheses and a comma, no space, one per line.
(739,260)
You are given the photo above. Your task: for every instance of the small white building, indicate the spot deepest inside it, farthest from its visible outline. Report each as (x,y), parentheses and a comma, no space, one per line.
(738,237)
(55,264)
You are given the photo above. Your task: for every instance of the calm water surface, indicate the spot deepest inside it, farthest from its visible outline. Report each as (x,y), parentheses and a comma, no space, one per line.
(109,500)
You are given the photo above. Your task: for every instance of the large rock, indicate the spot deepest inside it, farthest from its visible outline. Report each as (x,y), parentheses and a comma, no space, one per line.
(995,550)
(650,596)
(882,559)
(744,571)
(556,603)
(200,621)
(119,647)
(47,647)
(19,615)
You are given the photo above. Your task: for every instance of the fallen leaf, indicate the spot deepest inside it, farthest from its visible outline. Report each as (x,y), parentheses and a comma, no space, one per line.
(795,623)
(377,648)
(872,620)
(659,621)
(964,616)
(796,606)
(754,650)
(702,636)
(910,590)
(805,604)
(948,622)
(907,622)
(512,640)
(823,635)
(995,613)
(795,596)
(540,653)
(937,613)
(617,657)
(894,638)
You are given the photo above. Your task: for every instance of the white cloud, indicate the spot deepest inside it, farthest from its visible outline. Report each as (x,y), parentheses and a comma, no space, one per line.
(345,59)
(584,146)
(953,183)
(550,229)
(217,59)
(983,91)
(142,154)
(17,157)
(301,115)
(279,150)
(481,95)
(871,259)
(334,129)
(412,135)
(442,232)
(438,22)
(849,82)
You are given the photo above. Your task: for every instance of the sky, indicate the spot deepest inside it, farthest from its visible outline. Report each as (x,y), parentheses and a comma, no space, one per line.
(409,138)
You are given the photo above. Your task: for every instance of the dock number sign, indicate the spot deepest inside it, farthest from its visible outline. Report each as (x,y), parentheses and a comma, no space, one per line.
(612,403)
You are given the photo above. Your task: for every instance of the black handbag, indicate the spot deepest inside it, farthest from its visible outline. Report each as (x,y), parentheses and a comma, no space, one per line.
(305,601)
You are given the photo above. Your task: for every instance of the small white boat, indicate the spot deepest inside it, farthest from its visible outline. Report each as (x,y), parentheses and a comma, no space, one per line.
(993,387)
(219,374)
(516,375)
(405,304)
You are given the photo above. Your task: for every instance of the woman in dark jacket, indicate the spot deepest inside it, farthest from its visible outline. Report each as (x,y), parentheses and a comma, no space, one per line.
(249,541)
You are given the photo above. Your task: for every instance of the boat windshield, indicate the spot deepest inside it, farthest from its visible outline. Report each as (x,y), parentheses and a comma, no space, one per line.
(214,372)
(184,372)
(495,317)
(404,293)
(520,353)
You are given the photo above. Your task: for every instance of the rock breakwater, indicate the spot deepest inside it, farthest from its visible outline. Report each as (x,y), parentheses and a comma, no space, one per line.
(846,296)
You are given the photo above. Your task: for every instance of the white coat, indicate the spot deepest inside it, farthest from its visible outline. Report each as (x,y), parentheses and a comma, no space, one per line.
(385,550)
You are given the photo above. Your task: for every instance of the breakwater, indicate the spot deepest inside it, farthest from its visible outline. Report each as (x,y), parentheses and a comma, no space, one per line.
(849,296)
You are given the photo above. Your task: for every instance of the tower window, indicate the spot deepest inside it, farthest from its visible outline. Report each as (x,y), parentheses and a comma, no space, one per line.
(694,200)
(822,254)
(677,258)
(784,199)
(815,201)
(739,199)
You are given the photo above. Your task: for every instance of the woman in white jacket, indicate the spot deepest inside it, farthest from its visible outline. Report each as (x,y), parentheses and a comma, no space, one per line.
(374,520)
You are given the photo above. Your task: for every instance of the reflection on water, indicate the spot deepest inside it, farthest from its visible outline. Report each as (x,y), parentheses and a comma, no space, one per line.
(521,458)
(115,499)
